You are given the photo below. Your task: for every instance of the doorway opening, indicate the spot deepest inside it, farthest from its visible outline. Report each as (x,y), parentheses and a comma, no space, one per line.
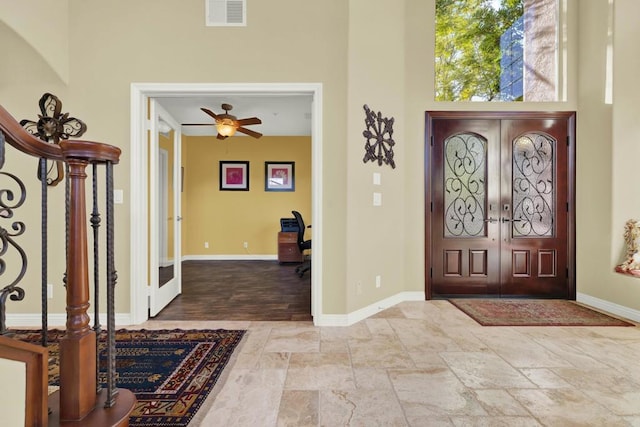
(141,94)
(500,205)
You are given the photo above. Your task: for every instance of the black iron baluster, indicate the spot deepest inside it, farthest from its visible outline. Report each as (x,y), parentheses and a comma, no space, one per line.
(95,224)
(112,277)
(44,231)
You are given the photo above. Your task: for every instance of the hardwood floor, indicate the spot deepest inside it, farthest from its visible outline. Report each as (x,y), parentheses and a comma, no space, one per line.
(240,290)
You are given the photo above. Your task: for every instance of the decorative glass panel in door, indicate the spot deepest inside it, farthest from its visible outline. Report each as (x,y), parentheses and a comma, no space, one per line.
(533,185)
(465,196)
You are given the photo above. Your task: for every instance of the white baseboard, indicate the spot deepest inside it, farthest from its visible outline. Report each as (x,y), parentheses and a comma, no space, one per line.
(59,320)
(239,257)
(609,307)
(365,312)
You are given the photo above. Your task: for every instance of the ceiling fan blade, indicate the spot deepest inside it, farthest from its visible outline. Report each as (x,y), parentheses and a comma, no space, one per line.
(249,121)
(249,132)
(209,112)
(198,124)
(221,137)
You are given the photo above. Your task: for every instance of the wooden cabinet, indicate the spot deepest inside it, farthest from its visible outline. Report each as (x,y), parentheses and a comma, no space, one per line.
(288,247)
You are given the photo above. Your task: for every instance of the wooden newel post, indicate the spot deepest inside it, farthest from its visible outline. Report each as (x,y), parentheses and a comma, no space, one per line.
(78,347)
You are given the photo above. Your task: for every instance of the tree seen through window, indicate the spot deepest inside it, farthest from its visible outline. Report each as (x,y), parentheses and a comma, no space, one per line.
(496,50)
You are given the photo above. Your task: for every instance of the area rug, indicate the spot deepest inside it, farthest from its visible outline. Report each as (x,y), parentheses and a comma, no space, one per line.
(171,372)
(533,312)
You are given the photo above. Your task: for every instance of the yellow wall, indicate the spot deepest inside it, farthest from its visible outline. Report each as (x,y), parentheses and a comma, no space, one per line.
(227,219)
(378,52)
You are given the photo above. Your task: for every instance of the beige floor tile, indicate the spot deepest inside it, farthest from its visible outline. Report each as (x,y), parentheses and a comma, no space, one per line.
(633,421)
(433,392)
(566,407)
(426,364)
(485,370)
(371,378)
(495,422)
(500,403)
(319,371)
(248,398)
(545,378)
(299,408)
(519,350)
(422,335)
(379,353)
(360,408)
(293,340)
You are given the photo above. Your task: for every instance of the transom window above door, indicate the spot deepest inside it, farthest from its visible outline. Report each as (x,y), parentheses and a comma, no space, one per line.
(497,50)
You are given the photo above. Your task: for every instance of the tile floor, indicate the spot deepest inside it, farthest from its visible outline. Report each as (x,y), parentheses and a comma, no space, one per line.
(426,364)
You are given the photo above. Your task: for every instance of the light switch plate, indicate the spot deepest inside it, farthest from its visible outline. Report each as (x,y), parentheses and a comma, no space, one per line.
(118,196)
(377,199)
(376,178)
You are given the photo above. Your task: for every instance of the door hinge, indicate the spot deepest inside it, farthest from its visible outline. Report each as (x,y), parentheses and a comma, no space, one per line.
(431,207)
(432,140)
(431,273)
(567,272)
(568,140)
(567,206)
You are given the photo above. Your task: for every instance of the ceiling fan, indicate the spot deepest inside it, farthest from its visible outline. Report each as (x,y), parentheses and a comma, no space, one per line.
(227,124)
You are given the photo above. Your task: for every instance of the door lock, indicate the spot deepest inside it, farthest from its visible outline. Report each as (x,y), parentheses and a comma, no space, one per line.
(490,220)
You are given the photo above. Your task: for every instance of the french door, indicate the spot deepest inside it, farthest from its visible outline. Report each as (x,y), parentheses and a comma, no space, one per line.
(165,269)
(500,205)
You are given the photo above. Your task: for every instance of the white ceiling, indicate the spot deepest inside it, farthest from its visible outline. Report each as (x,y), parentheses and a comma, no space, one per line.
(281,115)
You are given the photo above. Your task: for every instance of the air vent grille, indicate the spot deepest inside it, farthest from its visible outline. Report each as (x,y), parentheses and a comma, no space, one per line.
(223,13)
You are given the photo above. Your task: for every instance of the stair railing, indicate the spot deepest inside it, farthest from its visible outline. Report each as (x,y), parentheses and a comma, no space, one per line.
(80,398)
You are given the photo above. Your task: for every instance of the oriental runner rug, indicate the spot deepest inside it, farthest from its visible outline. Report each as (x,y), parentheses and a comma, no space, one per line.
(533,312)
(171,372)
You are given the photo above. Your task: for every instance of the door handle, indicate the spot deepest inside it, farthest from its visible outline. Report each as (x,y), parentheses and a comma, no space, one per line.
(490,220)
(179,218)
(510,220)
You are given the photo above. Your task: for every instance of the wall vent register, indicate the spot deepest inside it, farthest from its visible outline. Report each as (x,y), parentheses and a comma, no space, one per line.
(226,13)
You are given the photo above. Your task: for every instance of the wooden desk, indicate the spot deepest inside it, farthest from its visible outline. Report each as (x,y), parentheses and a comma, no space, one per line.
(288,247)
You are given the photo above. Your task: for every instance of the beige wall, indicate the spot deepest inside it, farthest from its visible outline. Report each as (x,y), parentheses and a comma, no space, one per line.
(375,241)
(13,394)
(227,219)
(378,52)
(53,44)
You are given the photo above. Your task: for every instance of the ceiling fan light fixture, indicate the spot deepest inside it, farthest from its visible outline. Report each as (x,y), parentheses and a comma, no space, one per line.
(225,127)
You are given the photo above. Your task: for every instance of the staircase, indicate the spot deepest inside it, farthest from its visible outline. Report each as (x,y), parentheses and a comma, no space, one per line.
(81,400)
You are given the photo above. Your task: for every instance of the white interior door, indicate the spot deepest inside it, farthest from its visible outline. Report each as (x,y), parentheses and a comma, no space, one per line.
(165,275)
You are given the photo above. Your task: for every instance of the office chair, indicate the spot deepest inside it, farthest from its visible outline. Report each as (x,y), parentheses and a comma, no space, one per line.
(303,245)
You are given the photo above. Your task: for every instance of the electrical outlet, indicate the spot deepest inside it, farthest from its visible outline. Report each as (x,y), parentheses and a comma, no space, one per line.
(49,290)
(246,245)
(378,281)
(206,245)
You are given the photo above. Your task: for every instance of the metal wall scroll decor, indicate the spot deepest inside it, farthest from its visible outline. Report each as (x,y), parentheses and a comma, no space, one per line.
(379,135)
(52,126)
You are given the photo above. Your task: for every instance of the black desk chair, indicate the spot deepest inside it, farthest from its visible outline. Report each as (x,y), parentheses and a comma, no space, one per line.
(303,245)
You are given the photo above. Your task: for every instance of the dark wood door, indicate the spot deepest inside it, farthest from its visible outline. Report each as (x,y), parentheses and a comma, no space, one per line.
(500,201)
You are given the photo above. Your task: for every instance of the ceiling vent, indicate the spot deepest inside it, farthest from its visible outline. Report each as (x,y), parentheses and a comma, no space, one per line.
(226,13)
